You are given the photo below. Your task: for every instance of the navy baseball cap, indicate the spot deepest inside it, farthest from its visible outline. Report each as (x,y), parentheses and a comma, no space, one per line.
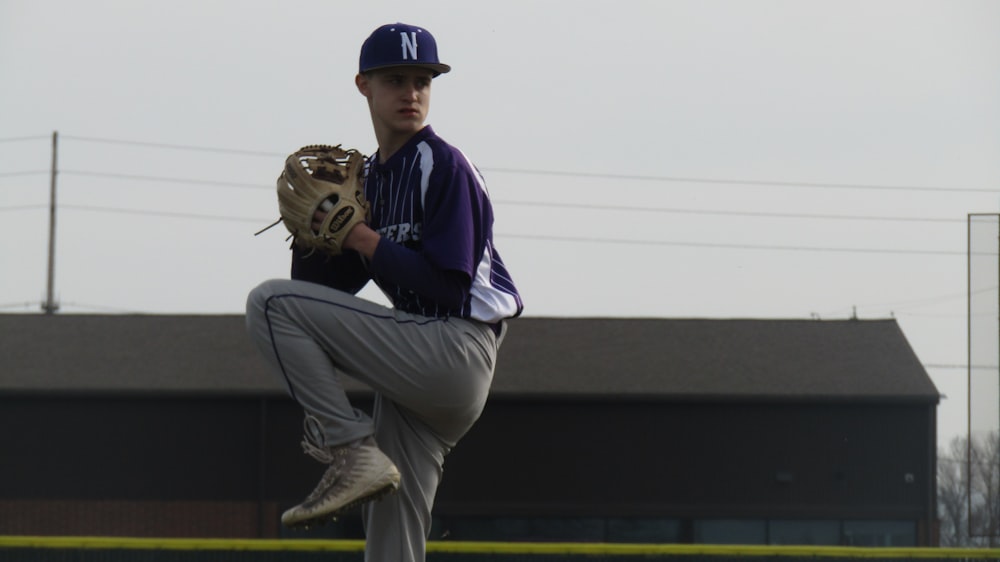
(399,44)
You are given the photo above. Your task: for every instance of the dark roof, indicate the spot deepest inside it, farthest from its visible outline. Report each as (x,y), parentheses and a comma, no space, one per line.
(695,358)
(70,352)
(566,357)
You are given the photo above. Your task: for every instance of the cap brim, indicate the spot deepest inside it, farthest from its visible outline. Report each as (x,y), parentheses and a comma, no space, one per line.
(438,68)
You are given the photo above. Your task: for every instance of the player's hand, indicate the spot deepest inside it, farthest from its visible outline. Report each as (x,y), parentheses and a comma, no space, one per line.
(361,238)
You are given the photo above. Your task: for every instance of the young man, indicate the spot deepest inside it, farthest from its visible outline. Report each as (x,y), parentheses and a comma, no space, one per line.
(429,358)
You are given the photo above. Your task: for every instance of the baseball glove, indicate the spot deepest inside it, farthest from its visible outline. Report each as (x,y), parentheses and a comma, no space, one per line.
(328,178)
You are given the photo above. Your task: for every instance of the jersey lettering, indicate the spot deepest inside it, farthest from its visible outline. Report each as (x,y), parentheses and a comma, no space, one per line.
(404,233)
(400,233)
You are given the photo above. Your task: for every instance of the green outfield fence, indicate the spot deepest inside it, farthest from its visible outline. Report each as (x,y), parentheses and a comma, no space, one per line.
(118,549)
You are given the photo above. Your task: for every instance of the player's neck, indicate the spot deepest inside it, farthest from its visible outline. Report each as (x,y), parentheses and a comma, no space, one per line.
(389,142)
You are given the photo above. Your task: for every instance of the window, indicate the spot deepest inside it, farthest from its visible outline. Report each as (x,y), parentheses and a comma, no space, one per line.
(542,529)
(880,533)
(639,530)
(804,532)
(561,529)
(730,531)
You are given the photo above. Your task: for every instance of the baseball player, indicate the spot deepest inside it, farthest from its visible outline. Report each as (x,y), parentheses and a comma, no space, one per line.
(429,247)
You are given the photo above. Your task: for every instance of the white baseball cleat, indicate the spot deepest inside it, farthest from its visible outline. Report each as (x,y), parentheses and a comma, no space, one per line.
(359,472)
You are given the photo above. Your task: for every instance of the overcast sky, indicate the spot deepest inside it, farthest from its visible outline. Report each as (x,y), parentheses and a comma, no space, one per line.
(690,158)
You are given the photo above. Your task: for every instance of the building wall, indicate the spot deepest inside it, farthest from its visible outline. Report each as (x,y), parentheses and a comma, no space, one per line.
(820,473)
(218,466)
(689,459)
(138,518)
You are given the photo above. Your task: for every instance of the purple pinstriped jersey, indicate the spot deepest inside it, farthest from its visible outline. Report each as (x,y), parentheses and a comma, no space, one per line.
(430,198)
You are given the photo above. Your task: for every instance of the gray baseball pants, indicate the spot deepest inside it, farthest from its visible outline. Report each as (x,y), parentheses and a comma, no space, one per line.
(431,377)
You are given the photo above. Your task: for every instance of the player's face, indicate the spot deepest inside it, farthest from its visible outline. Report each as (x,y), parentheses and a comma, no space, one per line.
(399,98)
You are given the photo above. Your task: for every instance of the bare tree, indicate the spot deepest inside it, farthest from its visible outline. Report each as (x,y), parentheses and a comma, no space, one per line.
(952,493)
(969,492)
(984,519)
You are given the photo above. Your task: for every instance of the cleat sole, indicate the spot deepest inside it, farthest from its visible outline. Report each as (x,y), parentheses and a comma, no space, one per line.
(332,516)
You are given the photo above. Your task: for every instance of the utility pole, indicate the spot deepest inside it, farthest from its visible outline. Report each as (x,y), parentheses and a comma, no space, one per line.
(50,305)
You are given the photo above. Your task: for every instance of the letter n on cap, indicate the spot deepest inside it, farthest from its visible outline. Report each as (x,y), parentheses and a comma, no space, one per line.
(409,45)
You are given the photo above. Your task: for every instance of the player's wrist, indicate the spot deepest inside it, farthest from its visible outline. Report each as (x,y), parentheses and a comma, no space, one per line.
(363,240)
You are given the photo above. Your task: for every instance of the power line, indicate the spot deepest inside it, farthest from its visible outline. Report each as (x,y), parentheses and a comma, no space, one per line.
(24,305)
(771,183)
(958,366)
(23,173)
(903,305)
(570,239)
(175,146)
(19,139)
(595,175)
(565,205)
(161,213)
(732,246)
(98,307)
(190,181)
(24,207)
(908,314)
(29,305)
(583,206)
(632,208)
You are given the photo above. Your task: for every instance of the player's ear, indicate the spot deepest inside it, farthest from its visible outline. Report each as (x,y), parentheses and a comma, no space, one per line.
(361,81)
